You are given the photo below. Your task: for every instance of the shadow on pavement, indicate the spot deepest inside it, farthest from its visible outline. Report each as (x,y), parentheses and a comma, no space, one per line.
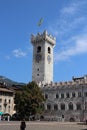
(83,129)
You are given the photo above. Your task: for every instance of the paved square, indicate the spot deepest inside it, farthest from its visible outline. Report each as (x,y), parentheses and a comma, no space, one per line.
(14,125)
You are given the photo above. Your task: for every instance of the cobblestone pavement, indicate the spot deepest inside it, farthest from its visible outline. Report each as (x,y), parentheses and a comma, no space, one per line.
(42,126)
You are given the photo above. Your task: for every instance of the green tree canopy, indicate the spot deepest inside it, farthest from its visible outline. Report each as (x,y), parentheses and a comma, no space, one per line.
(29,100)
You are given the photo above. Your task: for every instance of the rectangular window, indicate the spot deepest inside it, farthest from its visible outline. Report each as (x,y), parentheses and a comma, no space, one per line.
(85,94)
(73,94)
(85,105)
(0,100)
(79,94)
(67,95)
(62,95)
(46,96)
(57,96)
(9,101)
(78,106)
(0,107)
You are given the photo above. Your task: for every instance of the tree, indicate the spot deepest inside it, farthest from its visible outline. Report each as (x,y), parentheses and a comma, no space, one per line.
(29,100)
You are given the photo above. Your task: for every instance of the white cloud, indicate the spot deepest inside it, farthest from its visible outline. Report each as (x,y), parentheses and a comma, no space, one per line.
(71,31)
(71,9)
(66,22)
(19,53)
(80,47)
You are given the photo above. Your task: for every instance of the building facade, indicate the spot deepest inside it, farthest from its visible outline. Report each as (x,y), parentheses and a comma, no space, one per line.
(6,101)
(64,100)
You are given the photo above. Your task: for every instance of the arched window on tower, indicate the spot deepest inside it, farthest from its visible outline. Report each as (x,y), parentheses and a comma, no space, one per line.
(49,50)
(38,49)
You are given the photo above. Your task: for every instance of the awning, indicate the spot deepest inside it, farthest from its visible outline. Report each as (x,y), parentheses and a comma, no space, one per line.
(1,113)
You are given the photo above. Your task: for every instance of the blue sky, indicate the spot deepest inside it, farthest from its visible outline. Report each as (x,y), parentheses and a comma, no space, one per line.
(64,19)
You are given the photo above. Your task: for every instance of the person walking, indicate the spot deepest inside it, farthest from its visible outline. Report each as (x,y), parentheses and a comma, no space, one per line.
(23,125)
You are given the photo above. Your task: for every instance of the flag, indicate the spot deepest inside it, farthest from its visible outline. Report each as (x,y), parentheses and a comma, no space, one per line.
(40,22)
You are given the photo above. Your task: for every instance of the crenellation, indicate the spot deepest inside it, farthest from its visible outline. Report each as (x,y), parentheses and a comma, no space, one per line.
(66,83)
(43,37)
(60,83)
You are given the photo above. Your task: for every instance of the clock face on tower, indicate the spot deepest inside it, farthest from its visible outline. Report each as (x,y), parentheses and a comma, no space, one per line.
(38,57)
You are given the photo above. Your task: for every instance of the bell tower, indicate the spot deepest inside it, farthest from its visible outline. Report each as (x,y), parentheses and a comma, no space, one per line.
(42,70)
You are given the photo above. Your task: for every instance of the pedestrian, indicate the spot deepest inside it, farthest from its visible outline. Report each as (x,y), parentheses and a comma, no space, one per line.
(23,125)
